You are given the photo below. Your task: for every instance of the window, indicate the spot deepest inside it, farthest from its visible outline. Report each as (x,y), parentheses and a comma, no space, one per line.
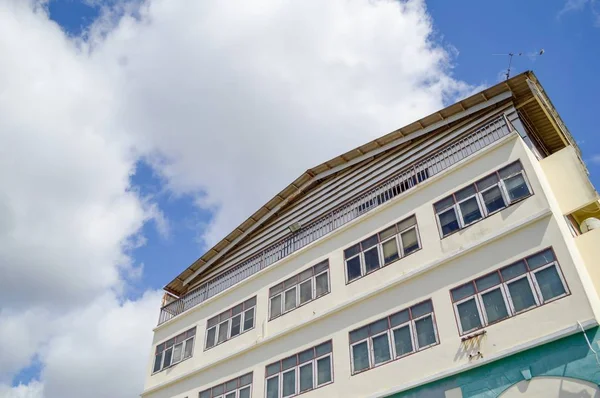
(481,199)
(174,350)
(526,284)
(381,249)
(299,373)
(230,323)
(308,285)
(393,337)
(240,387)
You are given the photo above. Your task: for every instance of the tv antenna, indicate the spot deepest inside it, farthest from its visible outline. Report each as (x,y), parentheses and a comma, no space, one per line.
(531,55)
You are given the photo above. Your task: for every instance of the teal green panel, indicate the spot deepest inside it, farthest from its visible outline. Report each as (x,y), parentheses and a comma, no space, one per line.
(567,357)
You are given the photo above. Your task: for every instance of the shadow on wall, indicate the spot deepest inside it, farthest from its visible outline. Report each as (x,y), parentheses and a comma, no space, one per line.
(560,387)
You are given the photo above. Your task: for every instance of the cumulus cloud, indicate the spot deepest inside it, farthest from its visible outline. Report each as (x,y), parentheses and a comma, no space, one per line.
(227,101)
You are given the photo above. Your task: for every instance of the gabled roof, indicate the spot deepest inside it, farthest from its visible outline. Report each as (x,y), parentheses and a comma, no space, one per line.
(523,90)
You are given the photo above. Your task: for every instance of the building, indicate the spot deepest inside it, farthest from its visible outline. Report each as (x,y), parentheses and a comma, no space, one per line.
(454,257)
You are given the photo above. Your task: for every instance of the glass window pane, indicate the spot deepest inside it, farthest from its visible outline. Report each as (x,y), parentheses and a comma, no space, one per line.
(191,332)
(177,351)
(210,337)
(306,355)
(543,258)
(378,326)
(249,319)
(390,251)
(494,305)
(510,169)
(391,231)
(369,242)
(290,299)
(273,387)
(463,291)
(487,182)
(493,199)
(359,334)
(245,392)
(157,362)
(470,211)
(289,383)
(289,362)
(276,289)
(371,259)
(235,325)
(353,268)
(425,331)
(323,370)
(237,309)
(273,368)
(231,385)
(276,306)
(465,193)
(549,282)
(223,330)
(218,390)
(448,222)
(168,355)
(399,318)
(306,377)
(403,341)
(321,267)
(246,379)
(306,291)
(322,284)
(421,309)
(323,349)
(404,224)
(290,282)
(189,345)
(487,281)
(351,251)
(521,294)
(410,243)
(443,204)
(381,348)
(180,338)
(360,356)
(230,395)
(513,270)
(305,275)
(205,394)
(468,315)
(516,187)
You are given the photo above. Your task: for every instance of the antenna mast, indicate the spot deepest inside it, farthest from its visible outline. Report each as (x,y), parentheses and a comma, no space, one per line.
(511,55)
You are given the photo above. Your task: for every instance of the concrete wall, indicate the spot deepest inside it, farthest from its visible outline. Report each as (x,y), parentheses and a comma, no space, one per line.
(506,236)
(589,249)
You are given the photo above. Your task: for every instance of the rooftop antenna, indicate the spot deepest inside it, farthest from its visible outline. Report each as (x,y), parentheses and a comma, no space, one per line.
(532,55)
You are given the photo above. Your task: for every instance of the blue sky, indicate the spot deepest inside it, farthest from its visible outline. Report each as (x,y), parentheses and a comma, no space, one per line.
(476,29)
(186,169)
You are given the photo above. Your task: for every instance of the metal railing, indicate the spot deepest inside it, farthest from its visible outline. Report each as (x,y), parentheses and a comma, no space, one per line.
(383,192)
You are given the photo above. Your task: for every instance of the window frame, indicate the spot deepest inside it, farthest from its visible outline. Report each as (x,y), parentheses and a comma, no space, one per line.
(186,340)
(480,200)
(410,322)
(313,362)
(313,281)
(503,285)
(379,247)
(229,320)
(225,393)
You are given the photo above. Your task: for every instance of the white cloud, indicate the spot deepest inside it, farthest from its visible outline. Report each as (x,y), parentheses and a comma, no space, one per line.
(228,101)
(580,5)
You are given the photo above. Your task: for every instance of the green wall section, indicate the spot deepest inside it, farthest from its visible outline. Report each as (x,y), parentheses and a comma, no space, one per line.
(567,357)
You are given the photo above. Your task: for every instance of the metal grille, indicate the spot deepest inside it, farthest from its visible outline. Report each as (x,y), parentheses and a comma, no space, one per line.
(383,192)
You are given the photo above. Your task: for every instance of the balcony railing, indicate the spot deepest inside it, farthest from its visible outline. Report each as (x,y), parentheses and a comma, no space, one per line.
(385,191)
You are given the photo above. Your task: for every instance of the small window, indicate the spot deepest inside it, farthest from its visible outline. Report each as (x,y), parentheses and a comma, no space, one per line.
(230,323)
(508,291)
(298,290)
(239,387)
(395,336)
(482,199)
(174,350)
(299,373)
(382,249)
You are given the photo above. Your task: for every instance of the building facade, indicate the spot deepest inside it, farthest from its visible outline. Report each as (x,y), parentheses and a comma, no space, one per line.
(454,257)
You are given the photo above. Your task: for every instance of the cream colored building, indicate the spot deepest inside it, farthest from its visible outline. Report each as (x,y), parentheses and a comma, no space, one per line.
(454,257)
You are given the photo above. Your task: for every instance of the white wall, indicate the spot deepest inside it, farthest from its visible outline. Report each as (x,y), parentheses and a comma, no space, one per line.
(428,273)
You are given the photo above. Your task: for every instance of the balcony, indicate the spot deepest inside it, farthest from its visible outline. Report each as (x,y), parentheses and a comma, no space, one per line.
(431,165)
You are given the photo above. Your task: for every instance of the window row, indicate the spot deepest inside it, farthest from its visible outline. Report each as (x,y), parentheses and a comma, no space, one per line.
(231,323)
(240,387)
(523,285)
(174,350)
(308,285)
(481,199)
(393,337)
(382,249)
(299,373)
